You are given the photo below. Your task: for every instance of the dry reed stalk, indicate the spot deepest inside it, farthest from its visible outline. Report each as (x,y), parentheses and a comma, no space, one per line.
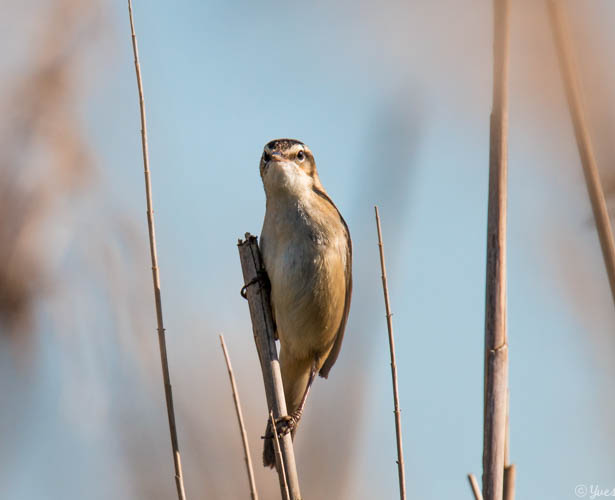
(475,488)
(397,410)
(262,326)
(509,469)
(509,482)
(242,427)
(572,85)
(278,456)
(179,479)
(496,342)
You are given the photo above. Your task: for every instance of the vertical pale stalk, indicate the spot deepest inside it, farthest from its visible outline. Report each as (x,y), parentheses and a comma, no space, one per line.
(242,427)
(474,487)
(263,329)
(179,479)
(496,341)
(509,469)
(397,410)
(278,457)
(569,69)
(510,473)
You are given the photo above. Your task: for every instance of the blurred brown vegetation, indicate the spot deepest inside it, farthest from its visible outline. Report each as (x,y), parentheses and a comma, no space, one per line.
(44,159)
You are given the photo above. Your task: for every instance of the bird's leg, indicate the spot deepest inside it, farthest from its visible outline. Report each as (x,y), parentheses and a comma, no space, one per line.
(288,423)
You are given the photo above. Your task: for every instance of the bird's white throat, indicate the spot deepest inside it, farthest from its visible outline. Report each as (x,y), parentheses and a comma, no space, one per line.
(285,178)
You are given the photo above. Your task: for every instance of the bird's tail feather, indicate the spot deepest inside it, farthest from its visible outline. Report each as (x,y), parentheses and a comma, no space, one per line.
(268,450)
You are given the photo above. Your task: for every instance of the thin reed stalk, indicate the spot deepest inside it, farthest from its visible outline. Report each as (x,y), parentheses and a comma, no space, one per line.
(278,455)
(510,473)
(389,316)
(496,341)
(509,469)
(474,487)
(572,85)
(179,479)
(263,329)
(242,427)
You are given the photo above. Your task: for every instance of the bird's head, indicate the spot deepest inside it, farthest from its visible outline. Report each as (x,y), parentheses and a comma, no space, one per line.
(288,166)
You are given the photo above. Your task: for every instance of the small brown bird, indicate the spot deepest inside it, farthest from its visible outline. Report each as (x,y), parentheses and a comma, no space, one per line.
(307,253)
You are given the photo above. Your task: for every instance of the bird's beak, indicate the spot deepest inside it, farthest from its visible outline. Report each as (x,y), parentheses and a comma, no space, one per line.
(276,156)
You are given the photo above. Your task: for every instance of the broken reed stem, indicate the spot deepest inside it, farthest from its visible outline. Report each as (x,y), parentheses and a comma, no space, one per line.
(509,469)
(475,488)
(496,341)
(263,329)
(278,458)
(389,317)
(572,85)
(242,427)
(510,473)
(179,478)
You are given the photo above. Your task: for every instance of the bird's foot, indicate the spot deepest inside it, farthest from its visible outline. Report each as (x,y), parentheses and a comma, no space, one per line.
(284,425)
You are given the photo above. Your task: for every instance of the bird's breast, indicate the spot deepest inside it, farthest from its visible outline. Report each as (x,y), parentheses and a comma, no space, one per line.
(304,255)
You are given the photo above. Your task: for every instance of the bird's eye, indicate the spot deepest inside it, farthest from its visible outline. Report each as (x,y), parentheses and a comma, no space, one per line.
(266,157)
(300,156)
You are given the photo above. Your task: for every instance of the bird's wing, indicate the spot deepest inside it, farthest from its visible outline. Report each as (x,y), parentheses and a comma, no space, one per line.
(337,345)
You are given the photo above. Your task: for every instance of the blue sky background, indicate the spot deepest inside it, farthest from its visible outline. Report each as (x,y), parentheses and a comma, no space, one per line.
(394,101)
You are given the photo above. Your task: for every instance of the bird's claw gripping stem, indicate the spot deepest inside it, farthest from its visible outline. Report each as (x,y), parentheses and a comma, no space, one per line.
(284,424)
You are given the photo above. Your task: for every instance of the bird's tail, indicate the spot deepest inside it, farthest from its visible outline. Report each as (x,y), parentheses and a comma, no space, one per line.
(295,376)
(268,450)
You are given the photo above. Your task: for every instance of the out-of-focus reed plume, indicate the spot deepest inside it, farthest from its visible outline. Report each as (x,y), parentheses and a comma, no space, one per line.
(44,158)
(62,247)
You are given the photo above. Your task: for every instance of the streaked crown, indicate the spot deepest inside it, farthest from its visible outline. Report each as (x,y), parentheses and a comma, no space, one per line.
(283,145)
